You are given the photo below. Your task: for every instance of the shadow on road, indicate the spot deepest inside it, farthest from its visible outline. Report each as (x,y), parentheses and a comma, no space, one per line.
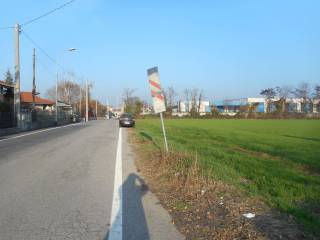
(134,224)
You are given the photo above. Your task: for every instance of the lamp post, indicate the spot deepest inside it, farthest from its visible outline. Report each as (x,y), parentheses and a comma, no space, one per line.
(58,60)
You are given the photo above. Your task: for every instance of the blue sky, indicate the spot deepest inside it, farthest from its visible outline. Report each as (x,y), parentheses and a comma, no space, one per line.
(229,49)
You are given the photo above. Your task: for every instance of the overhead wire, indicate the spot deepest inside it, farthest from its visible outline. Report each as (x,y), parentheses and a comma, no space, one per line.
(48,13)
(41,49)
(27,36)
(41,16)
(6,28)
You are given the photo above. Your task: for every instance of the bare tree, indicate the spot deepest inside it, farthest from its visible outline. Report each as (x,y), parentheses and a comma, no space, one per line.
(269,94)
(127,98)
(132,104)
(283,93)
(169,97)
(68,92)
(200,100)
(187,93)
(194,97)
(303,92)
(316,93)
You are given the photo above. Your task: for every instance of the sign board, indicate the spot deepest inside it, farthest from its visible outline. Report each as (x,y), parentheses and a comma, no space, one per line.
(156,91)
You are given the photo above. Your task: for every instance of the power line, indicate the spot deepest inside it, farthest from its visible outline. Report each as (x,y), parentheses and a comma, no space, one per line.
(6,28)
(41,49)
(41,16)
(48,13)
(45,53)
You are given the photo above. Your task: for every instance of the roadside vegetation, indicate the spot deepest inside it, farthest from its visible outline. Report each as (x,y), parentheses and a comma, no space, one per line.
(273,160)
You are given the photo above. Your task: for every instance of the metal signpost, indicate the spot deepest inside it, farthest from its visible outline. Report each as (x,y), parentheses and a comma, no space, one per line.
(158,98)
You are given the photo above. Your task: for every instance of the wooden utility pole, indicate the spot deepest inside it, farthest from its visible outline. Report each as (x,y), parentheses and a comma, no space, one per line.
(17,110)
(96,108)
(80,102)
(87,101)
(57,98)
(34,90)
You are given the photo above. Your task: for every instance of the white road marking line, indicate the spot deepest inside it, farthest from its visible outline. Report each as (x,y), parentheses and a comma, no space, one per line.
(35,132)
(115,231)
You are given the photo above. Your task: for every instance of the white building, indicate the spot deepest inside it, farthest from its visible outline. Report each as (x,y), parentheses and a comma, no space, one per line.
(186,106)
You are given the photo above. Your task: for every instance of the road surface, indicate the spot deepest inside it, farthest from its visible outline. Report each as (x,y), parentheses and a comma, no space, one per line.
(76,182)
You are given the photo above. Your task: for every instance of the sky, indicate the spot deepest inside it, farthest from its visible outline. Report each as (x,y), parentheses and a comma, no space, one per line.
(228,49)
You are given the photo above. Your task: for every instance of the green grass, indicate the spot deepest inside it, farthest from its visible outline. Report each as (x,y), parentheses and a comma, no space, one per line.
(280,159)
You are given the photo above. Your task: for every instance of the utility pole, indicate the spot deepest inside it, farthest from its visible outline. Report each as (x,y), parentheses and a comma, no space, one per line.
(87,119)
(34,90)
(96,109)
(80,104)
(57,98)
(17,110)
(107,109)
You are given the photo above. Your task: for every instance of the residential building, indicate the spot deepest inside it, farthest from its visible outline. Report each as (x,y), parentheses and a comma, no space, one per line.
(6,93)
(6,105)
(26,100)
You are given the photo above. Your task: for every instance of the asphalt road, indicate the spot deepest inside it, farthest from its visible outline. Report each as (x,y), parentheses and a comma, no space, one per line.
(60,184)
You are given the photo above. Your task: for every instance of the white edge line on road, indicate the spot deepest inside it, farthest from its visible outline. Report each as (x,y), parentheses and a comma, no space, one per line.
(115,231)
(40,131)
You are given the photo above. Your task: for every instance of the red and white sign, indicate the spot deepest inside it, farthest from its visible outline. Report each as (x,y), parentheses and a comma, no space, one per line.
(156,91)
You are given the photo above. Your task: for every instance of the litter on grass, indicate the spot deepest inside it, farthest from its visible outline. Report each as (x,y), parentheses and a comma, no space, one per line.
(249,215)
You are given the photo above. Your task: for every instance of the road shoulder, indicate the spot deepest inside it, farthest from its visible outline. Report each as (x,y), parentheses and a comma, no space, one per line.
(144,217)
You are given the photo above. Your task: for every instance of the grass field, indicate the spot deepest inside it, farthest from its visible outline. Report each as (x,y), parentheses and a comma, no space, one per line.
(278,159)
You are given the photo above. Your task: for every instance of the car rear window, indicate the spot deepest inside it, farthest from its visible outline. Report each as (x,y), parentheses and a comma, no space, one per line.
(126,115)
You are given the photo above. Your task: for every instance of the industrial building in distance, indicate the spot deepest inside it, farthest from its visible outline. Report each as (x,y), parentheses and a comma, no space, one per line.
(257,105)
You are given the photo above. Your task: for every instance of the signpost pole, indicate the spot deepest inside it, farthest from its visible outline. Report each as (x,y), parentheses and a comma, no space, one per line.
(164,133)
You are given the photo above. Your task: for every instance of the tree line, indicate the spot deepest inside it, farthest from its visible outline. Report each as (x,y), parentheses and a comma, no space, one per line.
(74,94)
(278,97)
(277,100)
(134,104)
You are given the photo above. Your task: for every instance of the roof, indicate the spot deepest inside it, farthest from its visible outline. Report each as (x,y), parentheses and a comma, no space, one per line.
(63,104)
(3,83)
(26,97)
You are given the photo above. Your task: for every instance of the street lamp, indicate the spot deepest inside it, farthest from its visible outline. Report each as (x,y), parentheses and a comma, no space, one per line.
(58,60)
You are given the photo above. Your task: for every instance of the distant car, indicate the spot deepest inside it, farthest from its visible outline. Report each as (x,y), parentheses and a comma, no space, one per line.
(126,120)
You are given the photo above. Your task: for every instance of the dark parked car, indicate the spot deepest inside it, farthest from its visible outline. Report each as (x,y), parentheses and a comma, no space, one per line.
(126,120)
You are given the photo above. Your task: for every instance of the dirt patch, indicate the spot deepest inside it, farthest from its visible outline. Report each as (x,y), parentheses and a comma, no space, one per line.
(205,209)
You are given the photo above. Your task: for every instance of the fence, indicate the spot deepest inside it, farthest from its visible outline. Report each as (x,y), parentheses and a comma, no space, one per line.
(36,120)
(6,119)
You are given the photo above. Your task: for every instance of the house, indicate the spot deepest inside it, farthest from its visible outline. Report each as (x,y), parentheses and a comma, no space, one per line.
(6,93)
(26,101)
(64,107)
(6,105)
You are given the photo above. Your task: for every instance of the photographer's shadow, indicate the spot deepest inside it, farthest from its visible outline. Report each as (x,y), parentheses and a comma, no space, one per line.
(134,224)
